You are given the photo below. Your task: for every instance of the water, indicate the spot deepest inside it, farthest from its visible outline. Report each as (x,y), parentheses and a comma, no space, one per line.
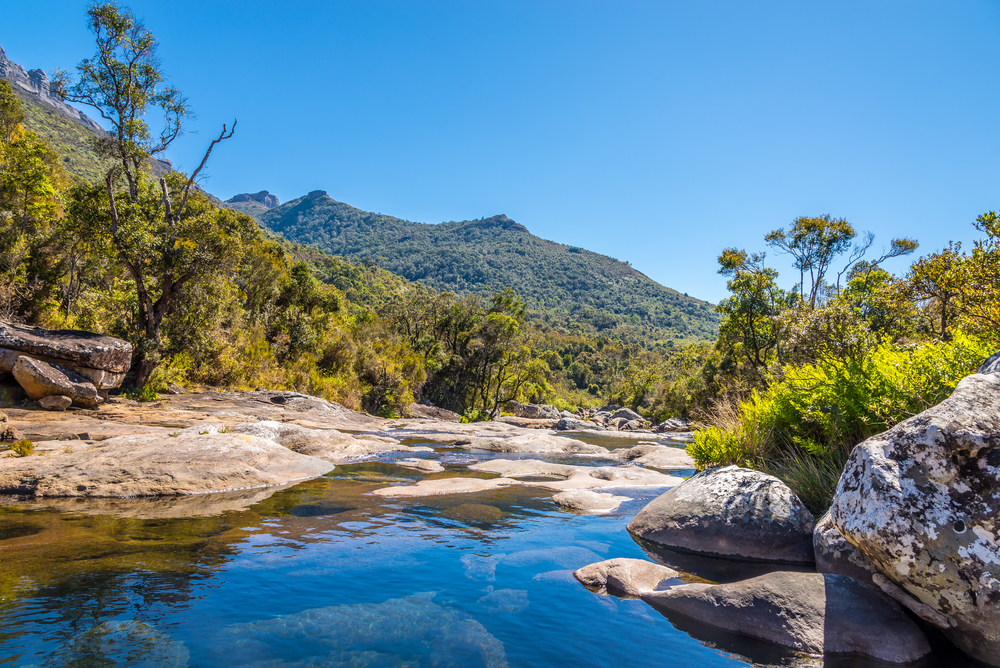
(324,574)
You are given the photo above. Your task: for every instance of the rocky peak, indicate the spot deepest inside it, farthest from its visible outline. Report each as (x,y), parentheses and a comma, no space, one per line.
(315,194)
(262,200)
(34,85)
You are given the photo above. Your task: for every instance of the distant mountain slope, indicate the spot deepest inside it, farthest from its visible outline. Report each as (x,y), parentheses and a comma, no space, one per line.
(478,256)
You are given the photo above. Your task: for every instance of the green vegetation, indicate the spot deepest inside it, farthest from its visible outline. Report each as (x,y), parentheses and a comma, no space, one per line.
(798,377)
(72,141)
(22,448)
(564,287)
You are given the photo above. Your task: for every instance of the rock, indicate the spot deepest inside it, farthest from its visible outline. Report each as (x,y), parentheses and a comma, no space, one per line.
(836,556)
(627,576)
(527,423)
(633,425)
(991,365)
(153,465)
(262,200)
(41,379)
(572,424)
(533,411)
(730,512)
(428,465)
(673,424)
(610,408)
(615,424)
(440,486)
(922,502)
(434,413)
(102,380)
(7,431)
(81,348)
(627,413)
(174,388)
(657,456)
(806,612)
(540,443)
(589,502)
(55,402)
(575,477)
(567,414)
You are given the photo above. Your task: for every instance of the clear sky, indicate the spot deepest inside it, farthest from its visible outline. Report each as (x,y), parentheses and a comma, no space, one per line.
(654,132)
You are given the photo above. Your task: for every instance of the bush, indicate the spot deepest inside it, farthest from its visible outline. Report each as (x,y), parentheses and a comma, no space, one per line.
(23,448)
(803,428)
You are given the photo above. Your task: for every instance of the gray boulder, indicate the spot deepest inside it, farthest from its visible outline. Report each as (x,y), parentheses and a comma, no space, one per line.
(615,424)
(40,379)
(812,613)
(626,576)
(922,503)
(572,424)
(991,365)
(835,555)
(534,411)
(626,413)
(633,425)
(85,349)
(730,512)
(673,424)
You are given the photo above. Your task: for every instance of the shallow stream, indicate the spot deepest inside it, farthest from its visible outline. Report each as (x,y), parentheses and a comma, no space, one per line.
(324,574)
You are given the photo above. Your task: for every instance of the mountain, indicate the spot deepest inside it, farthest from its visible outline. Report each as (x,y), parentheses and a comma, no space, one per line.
(481,256)
(252,203)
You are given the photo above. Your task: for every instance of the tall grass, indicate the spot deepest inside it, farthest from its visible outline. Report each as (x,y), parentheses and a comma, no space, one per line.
(802,429)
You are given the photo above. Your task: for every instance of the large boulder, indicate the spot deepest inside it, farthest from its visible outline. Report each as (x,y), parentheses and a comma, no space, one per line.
(572,424)
(991,365)
(730,512)
(154,464)
(922,502)
(627,413)
(101,379)
(534,411)
(626,576)
(673,424)
(835,555)
(806,612)
(85,349)
(41,379)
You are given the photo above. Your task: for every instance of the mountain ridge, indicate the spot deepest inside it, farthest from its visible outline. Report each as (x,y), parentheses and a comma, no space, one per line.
(480,256)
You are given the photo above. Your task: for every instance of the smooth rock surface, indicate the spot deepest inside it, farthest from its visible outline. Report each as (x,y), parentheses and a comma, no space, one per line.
(84,348)
(427,465)
(586,501)
(531,442)
(40,379)
(836,556)
(730,512)
(55,402)
(627,576)
(438,486)
(806,612)
(922,502)
(657,456)
(150,465)
(576,477)
(627,414)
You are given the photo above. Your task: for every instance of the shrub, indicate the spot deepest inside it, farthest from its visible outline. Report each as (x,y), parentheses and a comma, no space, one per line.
(23,448)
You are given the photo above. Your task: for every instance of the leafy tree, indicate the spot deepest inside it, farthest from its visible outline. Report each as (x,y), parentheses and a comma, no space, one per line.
(166,236)
(980,301)
(814,243)
(939,278)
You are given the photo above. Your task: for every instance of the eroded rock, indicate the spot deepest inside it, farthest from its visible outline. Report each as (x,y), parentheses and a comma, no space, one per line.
(626,576)
(576,477)
(438,486)
(922,502)
(40,379)
(730,512)
(657,456)
(87,349)
(586,501)
(806,612)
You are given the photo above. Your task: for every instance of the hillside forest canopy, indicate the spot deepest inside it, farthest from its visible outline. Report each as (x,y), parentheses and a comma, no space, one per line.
(799,372)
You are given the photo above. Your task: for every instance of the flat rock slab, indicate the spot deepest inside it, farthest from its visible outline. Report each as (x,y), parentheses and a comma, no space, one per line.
(586,501)
(152,465)
(427,465)
(84,348)
(730,512)
(806,612)
(657,456)
(631,577)
(576,477)
(528,442)
(441,486)
(41,379)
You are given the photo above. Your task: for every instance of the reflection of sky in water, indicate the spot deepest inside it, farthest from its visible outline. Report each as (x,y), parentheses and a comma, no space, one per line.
(325,574)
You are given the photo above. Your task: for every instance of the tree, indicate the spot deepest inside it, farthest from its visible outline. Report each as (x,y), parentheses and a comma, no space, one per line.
(938,279)
(980,300)
(814,243)
(156,232)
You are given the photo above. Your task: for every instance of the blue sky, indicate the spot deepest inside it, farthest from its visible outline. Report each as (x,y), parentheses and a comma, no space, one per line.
(657,133)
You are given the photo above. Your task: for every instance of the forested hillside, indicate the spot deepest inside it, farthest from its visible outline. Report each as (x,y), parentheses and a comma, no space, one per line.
(481,256)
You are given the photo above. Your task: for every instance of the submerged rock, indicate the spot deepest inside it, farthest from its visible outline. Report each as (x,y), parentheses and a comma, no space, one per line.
(730,512)
(40,380)
(576,477)
(805,612)
(626,576)
(922,502)
(406,631)
(438,486)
